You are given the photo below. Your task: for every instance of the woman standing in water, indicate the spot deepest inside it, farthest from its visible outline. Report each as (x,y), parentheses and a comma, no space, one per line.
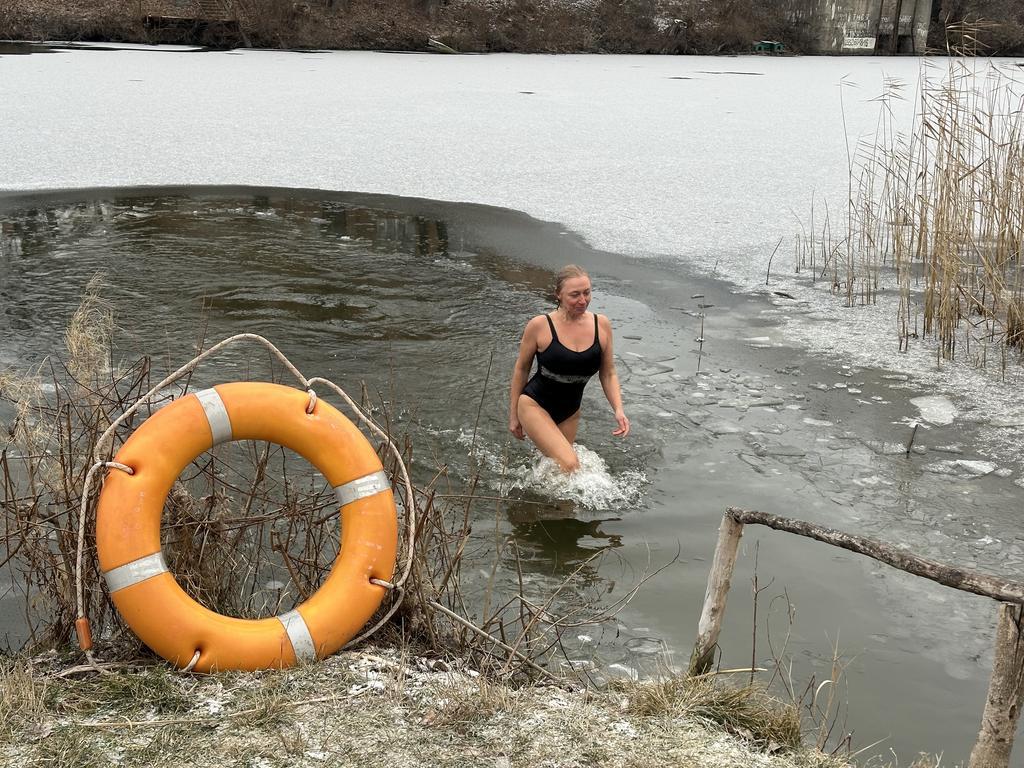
(571,345)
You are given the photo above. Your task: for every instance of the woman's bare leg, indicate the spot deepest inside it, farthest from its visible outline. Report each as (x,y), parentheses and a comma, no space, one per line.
(546,435)
(569,427)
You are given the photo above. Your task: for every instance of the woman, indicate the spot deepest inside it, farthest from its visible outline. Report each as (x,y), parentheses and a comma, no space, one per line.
(571,345)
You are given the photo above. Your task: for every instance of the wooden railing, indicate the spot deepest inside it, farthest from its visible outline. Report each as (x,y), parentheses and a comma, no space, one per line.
(1006,689)
(204,10)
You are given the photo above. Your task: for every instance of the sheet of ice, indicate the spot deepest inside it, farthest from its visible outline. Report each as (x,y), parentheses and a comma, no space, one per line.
(961,468)
(935,409)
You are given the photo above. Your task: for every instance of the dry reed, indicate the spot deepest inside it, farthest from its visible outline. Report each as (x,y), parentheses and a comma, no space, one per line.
(940,212)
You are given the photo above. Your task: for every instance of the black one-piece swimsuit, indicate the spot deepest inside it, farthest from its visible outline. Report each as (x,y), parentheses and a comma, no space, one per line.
(562,373)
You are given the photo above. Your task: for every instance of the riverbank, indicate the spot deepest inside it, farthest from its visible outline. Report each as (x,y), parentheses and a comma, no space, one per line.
(478,26)
(469,26)
(373,707)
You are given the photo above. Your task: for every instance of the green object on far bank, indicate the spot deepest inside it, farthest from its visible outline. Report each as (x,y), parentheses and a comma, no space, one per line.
(769,46)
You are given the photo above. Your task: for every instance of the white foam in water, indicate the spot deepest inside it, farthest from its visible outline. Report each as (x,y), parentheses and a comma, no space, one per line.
(592,486)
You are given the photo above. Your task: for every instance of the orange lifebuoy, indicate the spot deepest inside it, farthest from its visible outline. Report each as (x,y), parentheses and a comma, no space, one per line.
(128,529)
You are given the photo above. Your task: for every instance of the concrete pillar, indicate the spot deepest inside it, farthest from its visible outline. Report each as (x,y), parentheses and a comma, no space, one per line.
(922,24)
(865,26)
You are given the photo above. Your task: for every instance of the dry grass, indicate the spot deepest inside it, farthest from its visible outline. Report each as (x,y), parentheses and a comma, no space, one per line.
(747,711)
(372,708)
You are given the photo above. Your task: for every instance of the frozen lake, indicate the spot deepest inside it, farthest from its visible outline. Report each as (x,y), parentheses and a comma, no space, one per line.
(681,174)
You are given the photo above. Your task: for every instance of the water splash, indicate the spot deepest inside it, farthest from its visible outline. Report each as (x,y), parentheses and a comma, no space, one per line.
(593,486)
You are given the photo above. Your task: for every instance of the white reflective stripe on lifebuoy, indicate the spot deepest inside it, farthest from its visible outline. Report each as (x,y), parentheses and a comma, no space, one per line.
(216,414)
(361,487)
(136,571)
(298,634)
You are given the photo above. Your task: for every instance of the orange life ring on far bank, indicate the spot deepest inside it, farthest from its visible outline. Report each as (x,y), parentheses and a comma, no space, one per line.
(147,595)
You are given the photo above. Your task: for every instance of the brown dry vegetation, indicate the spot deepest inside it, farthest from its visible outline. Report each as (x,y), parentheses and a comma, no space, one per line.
(535,26)
(996,25)
(546,26)
(377,707)
(936,215)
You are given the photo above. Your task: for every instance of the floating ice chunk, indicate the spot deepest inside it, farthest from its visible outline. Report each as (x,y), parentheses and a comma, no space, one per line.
(767,402)
(1008,420)
(961,468)
(645,646)
(936,409)
(817,422)
(885,448)
(785,450)
(719,427)
(652,370)
(871,481)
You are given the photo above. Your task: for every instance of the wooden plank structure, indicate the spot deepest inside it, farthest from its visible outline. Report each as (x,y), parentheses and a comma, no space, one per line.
(194,10)
(204,21)
(1006,689)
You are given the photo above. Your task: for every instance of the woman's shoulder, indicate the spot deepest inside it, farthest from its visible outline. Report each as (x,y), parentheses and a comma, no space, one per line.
(536,324)
(603,321)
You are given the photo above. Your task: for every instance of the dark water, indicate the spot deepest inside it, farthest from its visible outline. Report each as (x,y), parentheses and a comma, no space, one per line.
(423,303)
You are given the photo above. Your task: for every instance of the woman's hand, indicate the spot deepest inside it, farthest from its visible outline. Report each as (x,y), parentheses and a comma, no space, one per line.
(623,429)
(515,427)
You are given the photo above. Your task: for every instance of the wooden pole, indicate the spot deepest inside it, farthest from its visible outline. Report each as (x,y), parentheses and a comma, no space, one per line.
(729,533)
(1005,694)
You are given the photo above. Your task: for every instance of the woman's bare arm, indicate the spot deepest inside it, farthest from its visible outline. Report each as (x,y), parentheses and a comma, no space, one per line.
(610,378)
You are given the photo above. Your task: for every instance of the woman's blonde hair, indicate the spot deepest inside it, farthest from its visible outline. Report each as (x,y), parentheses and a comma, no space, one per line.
(567,272)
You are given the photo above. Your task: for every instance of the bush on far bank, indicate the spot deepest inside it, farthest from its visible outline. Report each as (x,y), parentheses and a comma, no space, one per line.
(479,26)
(540,26)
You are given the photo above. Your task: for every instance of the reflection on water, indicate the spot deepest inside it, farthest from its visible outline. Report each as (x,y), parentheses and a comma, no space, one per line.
(552,539)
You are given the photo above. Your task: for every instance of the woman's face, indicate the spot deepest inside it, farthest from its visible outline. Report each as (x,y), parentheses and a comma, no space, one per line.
(574,297)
